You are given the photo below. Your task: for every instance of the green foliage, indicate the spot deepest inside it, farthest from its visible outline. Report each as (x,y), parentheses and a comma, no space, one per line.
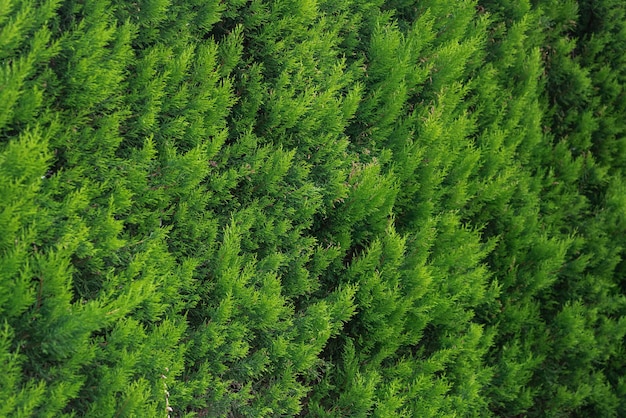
(312,208)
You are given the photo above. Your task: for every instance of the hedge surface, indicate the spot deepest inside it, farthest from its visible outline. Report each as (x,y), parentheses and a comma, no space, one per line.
(229,208)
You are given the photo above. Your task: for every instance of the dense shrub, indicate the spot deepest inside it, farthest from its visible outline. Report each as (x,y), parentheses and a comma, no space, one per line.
(313,208)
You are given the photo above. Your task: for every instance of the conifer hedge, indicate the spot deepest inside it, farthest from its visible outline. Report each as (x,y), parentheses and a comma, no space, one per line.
(229,208)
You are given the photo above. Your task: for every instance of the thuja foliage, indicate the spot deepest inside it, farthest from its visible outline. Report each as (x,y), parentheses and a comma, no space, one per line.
(312,208)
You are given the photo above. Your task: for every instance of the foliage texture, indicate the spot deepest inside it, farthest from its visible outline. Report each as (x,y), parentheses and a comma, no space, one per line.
(229,208)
